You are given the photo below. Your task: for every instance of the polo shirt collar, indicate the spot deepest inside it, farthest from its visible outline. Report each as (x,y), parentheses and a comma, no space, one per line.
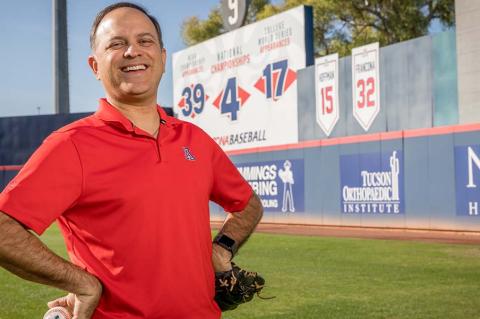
(108,113)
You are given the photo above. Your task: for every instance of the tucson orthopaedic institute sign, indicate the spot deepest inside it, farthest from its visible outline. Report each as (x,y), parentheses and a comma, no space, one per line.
(279,184)
(467,174)
(372,183)
(241,87)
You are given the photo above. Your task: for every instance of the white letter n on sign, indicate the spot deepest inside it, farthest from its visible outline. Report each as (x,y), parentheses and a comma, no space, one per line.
(472,159)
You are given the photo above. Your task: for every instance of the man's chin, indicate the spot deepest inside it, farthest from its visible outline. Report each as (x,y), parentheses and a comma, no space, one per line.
(135,90)
(135,96)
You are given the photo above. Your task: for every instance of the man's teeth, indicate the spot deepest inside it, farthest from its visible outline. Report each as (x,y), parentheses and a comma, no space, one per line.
(134,68)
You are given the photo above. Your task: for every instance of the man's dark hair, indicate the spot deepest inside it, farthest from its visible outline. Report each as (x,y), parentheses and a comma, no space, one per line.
(112,7)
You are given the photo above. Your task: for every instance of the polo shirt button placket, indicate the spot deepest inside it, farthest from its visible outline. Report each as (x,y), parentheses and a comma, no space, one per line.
(157,145)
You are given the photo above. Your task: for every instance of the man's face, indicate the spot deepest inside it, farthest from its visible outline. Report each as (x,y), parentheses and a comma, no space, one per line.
(127,56)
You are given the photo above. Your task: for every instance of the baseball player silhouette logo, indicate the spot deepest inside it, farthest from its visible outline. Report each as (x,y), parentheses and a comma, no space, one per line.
(395,170)
(286,175)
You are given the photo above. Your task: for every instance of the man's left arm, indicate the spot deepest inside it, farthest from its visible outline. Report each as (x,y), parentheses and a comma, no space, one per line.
(237,226)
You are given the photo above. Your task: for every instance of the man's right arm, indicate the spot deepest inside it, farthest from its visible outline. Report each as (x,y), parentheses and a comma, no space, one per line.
(23,254)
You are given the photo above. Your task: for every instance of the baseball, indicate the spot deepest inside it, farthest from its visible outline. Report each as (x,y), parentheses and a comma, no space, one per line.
(57,313)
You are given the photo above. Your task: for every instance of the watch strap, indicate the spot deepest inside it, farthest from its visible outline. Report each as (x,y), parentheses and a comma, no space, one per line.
(226,242)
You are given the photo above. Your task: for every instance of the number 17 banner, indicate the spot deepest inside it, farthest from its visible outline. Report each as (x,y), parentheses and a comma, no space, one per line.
(326,92)
(366,84)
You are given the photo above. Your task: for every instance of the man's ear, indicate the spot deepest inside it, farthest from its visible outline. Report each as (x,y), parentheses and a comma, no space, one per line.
(92,62)
(164,57)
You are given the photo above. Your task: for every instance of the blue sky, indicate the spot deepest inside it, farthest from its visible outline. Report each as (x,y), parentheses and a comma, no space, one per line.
(26,83)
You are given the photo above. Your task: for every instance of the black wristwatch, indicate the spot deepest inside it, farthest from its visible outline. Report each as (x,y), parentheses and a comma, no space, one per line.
(226,242)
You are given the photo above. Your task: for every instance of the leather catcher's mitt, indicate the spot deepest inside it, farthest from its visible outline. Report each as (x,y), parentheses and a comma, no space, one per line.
(236,286)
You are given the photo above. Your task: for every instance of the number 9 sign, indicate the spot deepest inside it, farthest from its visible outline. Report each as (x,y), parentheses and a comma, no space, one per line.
(365,84)
(234,13)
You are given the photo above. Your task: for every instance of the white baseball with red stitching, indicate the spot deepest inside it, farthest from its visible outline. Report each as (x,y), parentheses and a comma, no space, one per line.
(57,313)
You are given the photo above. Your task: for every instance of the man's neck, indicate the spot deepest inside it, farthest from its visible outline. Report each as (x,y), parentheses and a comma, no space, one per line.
(142,115)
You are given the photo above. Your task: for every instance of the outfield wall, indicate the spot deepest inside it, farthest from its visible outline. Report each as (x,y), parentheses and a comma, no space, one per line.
(433,165)
(21,135)
(429,164)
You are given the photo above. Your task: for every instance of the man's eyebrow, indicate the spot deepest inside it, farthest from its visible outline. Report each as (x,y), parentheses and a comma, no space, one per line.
(116,38)
(144,34)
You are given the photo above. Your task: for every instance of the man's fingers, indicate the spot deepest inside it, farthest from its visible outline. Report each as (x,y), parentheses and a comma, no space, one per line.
(84,307)
(60,302)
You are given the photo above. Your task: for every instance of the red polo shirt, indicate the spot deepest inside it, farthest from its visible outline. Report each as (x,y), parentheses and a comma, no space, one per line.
(133,209)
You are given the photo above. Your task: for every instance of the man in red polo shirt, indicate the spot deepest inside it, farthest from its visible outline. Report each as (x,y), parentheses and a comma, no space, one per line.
(130,187)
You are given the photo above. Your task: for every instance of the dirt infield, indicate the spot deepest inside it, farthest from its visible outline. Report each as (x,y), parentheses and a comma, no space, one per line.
(440,236)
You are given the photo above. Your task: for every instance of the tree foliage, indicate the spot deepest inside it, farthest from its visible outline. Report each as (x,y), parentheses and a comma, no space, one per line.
(340,25)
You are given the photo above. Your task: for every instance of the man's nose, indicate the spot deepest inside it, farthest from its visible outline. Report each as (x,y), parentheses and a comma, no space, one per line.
(132,51)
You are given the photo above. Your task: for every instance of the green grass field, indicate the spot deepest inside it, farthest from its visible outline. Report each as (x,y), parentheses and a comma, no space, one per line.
(316,277)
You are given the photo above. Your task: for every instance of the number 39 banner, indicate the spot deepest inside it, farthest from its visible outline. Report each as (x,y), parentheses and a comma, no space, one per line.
(241,87)
(366,84)
(326,84)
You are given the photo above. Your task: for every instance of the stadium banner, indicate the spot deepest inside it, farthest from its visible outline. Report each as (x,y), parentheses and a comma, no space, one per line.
(241,87)
(372,183)
(279,184)
(326,92)
(366,84)
(467,180)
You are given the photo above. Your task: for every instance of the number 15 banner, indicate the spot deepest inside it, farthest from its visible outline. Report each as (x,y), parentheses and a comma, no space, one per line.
(366,84)
(326,92)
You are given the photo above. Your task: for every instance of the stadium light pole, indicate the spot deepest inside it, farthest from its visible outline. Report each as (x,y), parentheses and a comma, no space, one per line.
(60,57)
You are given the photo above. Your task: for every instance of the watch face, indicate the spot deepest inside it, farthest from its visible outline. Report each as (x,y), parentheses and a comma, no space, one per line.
(227,241)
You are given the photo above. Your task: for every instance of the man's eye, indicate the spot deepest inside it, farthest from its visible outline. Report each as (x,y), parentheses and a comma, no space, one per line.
(115,45)
(146,41)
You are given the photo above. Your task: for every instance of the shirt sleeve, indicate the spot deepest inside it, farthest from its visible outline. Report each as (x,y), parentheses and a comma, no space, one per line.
(229,190)
(47,185)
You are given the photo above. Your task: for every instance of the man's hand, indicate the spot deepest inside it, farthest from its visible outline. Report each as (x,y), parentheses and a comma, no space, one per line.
(81,305)
(236,287)
(221,258)
(27,257)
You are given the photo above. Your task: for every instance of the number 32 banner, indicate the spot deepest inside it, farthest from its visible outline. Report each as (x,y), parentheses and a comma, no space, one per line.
(366,84)
(326,82)
(241,87)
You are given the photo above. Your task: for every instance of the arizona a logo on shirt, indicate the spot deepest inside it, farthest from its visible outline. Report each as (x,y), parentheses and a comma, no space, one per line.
(188,155)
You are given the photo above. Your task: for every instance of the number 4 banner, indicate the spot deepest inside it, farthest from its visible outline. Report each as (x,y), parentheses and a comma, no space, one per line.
(366,84)
(326,91)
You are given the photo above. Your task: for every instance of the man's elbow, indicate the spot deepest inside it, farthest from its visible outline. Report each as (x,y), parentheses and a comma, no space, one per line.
(257,204)
(9,225)
(5,220)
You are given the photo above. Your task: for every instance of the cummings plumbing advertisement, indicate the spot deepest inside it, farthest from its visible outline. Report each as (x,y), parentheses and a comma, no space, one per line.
(372,183)
(279,184)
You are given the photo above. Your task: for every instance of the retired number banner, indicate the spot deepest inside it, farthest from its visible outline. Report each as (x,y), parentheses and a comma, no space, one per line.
(326,82)
(366,84)
(241,87)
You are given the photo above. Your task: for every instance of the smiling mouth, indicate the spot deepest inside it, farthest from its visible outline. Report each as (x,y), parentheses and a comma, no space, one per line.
(134,68)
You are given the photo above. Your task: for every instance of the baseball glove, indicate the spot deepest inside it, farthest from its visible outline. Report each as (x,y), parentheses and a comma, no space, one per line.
(236,286)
